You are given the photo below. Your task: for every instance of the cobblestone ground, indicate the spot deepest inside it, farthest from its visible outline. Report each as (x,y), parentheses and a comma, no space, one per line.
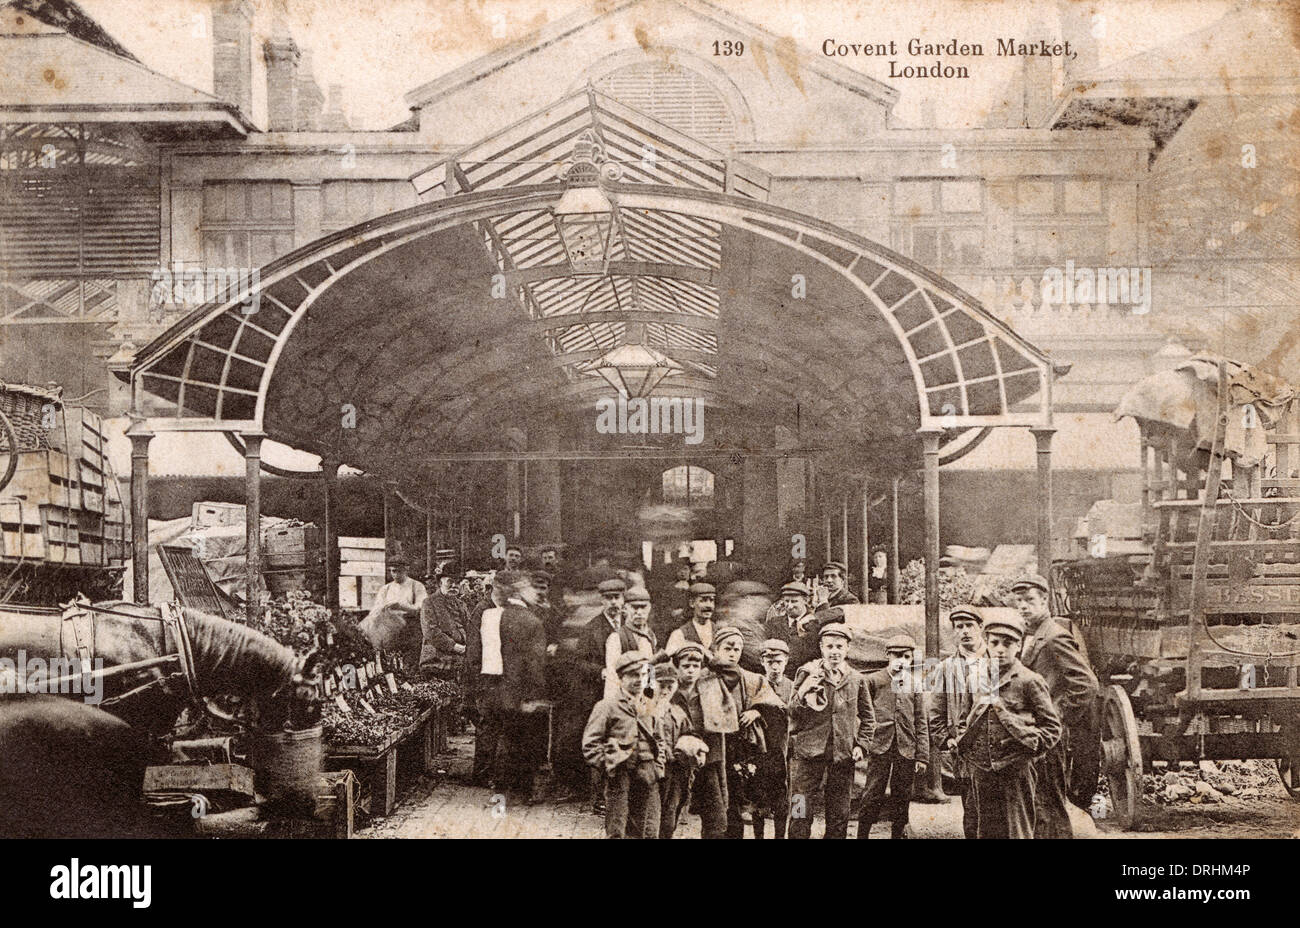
(444,806)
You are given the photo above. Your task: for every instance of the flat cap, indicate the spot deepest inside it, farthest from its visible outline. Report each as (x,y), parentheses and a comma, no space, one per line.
(835,565)
(1010,623)
(901,643)
(630,662)
(774,646)
(687,649)
(966,612)
(838,629)
(540,574)
(612,585)
(794,587)
(665,673)
(1030,580)
(699,587)
(636,595)
(727,631)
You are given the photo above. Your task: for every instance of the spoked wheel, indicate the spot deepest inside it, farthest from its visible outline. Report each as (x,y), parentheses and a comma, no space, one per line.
(1121,756)
(1288,768)
(8,451)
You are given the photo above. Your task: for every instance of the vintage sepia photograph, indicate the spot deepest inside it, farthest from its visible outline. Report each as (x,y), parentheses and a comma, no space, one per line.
(650,419)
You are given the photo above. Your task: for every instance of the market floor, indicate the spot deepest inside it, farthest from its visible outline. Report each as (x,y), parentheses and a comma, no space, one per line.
(443,806)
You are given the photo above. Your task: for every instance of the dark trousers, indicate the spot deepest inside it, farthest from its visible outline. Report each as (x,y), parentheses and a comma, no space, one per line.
(1051,818)
(709,797)
(969,812)
(509,746)
(523,752)
(810,776)
(489,730)
(1005,801)
(570,769)
(931,785)
(896,772)
(674,795)
(632,801)
(772,785)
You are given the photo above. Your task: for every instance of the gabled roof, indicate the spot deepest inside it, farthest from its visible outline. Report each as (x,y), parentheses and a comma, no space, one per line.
(46,73)
(584,19)
(67,16)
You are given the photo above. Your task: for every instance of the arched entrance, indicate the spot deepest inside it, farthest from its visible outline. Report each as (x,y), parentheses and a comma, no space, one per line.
(587,255)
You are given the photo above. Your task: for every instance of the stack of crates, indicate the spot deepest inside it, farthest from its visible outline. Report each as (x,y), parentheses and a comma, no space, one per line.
(64,505)
(361,571)
(289,553)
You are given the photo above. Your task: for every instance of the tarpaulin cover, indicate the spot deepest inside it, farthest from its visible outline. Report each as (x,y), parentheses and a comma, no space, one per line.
(1186,399)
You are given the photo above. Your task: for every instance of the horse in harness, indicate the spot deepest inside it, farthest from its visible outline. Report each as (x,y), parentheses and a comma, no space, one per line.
(72,768)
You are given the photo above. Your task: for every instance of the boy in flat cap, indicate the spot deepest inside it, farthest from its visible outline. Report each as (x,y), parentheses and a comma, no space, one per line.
(589,672)
(634,636)
(747,711)
(1004,733)
(831,723)
(959,675)
(771,782)
(707,781)
(900,742)
(700,627)
(1053,652)
(624,738)
(684,752)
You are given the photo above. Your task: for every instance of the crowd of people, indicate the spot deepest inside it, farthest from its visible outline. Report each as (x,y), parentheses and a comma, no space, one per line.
(659,703)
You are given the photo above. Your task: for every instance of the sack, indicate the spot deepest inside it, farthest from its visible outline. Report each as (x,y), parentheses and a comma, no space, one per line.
(382,627)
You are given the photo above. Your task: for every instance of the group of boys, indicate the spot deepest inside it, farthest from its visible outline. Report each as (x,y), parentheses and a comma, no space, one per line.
(688,726)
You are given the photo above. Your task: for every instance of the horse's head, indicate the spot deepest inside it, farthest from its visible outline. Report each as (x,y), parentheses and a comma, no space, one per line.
(235,660)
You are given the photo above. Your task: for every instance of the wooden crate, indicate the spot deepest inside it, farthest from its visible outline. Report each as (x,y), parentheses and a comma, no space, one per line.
(291,541)
(351,568)
(231,780)
(338,801)
(207,514)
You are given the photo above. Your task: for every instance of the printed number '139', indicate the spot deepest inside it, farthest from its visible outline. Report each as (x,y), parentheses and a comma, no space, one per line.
(729,48)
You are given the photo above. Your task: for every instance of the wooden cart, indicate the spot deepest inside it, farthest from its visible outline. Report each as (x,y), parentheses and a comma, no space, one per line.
(1197,642)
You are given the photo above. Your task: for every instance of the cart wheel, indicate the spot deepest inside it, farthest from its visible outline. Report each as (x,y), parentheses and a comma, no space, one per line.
(1288,768)
(1121,756)
(8,451)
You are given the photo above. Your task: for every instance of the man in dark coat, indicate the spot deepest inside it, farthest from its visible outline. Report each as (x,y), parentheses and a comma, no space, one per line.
(442,624)
(1006,730)
(831,724)
(1052,651)
(901,741)
(509,655)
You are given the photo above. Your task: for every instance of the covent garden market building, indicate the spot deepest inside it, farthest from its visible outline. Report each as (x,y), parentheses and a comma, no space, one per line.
(592,215)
